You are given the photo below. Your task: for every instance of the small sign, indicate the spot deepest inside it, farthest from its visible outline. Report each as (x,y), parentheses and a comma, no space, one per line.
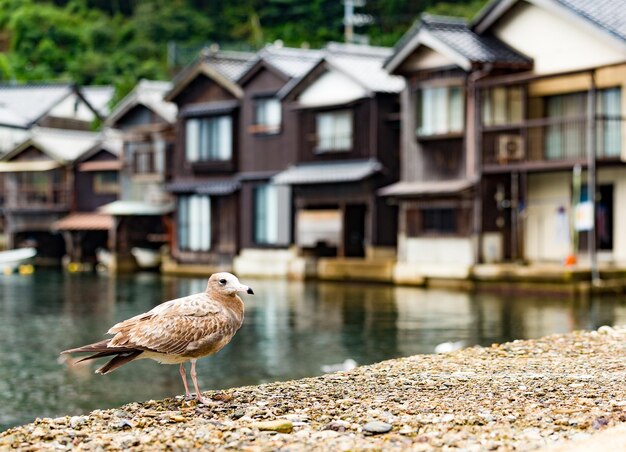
(583,216)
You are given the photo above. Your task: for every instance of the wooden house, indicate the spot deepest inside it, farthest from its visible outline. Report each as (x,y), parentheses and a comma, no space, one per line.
(497,122)
(267,145)
(40,187)
(85,229)
(142,213)
(203,181)
(49,105)
(347,147)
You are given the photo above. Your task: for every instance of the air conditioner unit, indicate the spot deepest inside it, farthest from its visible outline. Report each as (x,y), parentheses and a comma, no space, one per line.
(510,147)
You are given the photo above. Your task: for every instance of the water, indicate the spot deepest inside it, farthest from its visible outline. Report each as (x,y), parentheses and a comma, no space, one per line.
(291,329)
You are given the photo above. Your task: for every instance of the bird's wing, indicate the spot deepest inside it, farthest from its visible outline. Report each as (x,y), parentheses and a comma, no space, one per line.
(174,327)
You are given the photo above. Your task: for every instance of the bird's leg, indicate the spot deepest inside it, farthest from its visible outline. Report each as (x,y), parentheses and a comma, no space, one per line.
(195,385)
(184,377)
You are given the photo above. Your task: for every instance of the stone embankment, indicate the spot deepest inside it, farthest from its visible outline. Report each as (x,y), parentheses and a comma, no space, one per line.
(521,395)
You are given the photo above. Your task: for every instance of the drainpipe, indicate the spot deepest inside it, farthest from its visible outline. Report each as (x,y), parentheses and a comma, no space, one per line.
(591,175)
(477,173)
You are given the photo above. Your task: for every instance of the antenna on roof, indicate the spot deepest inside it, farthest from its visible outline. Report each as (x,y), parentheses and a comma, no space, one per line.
(351,20)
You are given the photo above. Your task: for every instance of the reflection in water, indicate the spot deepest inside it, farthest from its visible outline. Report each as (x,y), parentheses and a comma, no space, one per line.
(291,330)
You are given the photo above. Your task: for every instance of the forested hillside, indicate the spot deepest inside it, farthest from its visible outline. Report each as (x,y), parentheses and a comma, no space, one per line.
(119,41)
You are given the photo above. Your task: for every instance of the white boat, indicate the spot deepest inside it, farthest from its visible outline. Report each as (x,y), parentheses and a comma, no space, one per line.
(146,257)
(10,260)
(104,257)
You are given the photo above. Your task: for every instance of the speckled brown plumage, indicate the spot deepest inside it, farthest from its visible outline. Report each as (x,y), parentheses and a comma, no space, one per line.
(176,331)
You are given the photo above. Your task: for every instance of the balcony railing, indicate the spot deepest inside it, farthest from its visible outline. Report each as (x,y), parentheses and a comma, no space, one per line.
(546,140)
(31,198)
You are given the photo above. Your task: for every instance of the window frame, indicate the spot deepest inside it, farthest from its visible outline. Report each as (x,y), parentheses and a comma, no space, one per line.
(453,114)
(197,154)
(261,125)
(334,137)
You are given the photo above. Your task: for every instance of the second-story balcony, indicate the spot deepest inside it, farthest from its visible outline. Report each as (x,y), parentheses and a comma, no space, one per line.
(550,142)
(33,198)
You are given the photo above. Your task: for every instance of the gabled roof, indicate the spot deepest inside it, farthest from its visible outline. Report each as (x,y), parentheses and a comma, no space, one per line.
(287,62)
(63,146)
(609,16)
(148,93)
(22,105)
(223,67)
(99,98)
(362,64)
(453,38)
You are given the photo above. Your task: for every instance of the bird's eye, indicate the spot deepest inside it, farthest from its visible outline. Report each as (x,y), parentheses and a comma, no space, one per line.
(222,281)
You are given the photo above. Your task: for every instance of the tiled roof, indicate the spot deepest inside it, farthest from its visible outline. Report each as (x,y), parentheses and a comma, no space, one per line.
(607,14)
(328,172)
(290,61)
(84,222)
(440,187)
(22,105)
(148,93)
(476,48)
(231,64)
(99,98)
(64,145)
(214,187)
(456,35)
(368,72)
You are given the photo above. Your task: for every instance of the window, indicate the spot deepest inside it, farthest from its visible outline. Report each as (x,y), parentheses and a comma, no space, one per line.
(432,220)
(440,110)
(272,214)
(502,106)
(194,223)
(565,138)
(334,131)
(143,158)
(209,138)
(609,132)
(105,183)
(267,115)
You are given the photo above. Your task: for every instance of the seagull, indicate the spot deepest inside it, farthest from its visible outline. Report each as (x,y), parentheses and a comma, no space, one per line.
(177,331)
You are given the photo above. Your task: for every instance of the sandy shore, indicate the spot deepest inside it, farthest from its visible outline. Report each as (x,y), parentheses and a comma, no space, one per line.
(522,395)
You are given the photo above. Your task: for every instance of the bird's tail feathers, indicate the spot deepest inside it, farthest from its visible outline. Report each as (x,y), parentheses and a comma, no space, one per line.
(122,355)
(119,360)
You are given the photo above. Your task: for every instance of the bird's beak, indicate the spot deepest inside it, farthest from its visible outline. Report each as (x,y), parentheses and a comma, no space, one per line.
(245,289)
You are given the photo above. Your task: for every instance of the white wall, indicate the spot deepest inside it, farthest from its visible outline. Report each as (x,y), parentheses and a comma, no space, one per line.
(544,236)
(73,108)
(556,43)
(437,257)
(332,88)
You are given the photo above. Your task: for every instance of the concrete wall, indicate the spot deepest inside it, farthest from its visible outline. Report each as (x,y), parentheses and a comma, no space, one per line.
(557,42)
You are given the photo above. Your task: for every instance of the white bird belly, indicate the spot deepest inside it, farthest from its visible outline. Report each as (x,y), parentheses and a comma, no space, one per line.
(164,358)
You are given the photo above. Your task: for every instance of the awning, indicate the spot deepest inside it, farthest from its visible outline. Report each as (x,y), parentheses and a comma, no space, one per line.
(444,187)
(214,188)
(123,208)
(209,108)
(328,173)
(101,165)
(28,165)
(84,222)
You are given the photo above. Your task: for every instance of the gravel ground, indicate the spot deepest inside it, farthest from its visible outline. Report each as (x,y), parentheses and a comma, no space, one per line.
(521,395)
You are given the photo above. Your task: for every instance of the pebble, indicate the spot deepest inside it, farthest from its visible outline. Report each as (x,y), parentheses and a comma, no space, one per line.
(280,425)
(518,396)
(377,427)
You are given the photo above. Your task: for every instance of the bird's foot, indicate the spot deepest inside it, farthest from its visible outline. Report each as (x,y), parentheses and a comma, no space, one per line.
(206,401)
(188,397)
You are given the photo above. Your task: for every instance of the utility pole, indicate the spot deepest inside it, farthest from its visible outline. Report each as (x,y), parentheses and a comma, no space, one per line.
(591,176)
(351,20)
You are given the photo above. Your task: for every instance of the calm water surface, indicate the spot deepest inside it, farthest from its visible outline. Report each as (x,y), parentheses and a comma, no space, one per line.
(291,329)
